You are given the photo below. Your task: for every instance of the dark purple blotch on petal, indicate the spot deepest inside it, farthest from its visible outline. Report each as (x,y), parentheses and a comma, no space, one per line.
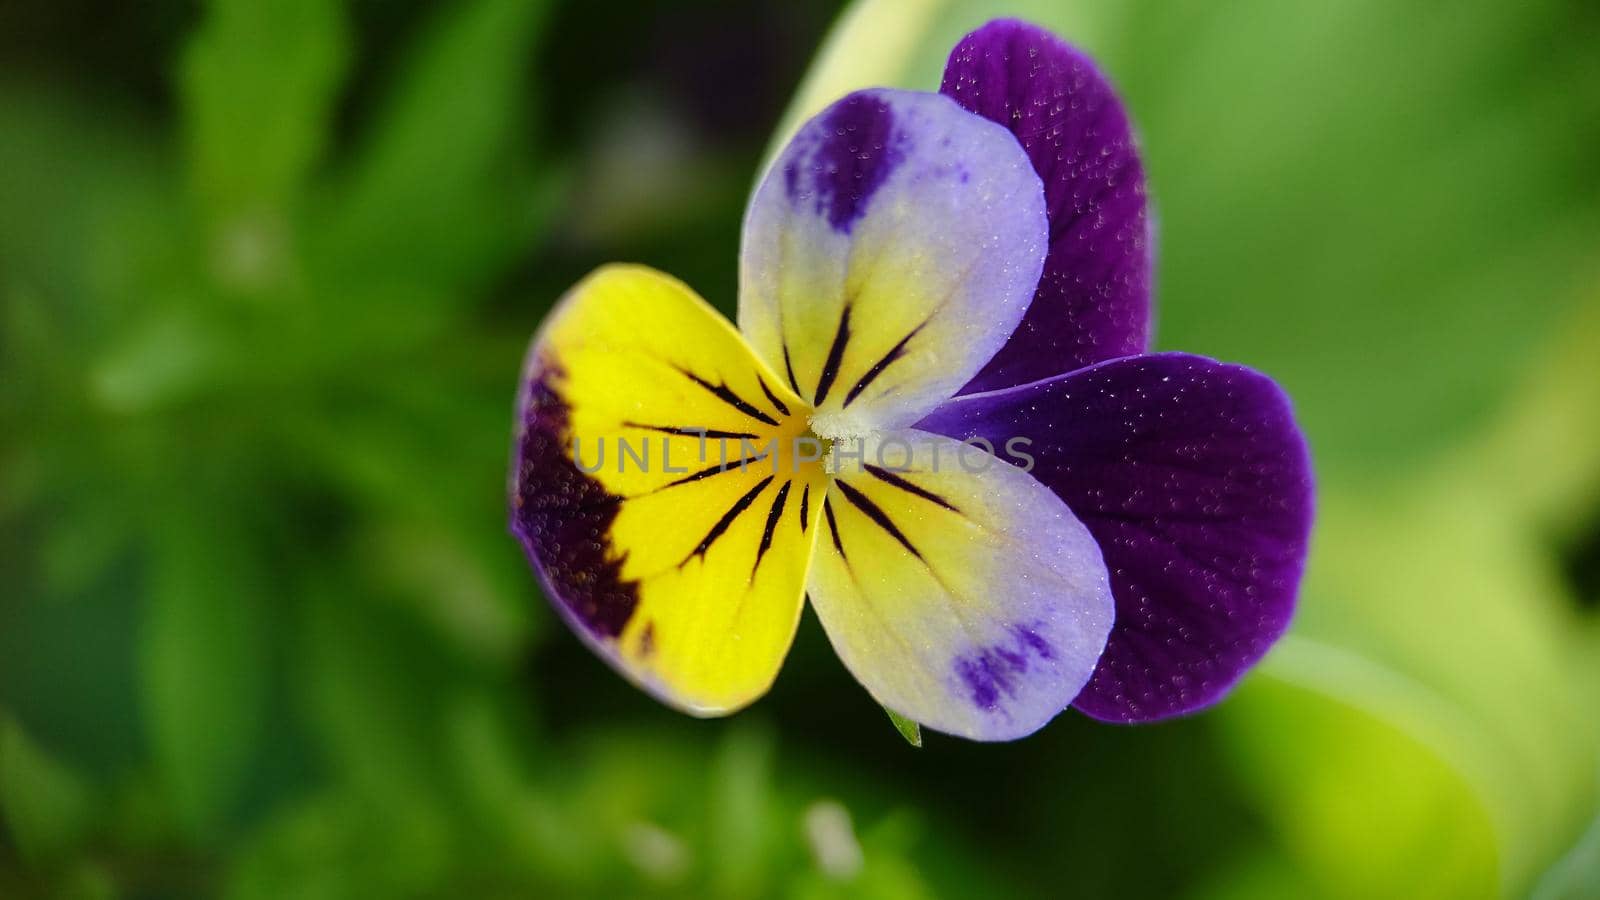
(1196,482)
(1093,300)
(843,157)
(563,516)
(988,673)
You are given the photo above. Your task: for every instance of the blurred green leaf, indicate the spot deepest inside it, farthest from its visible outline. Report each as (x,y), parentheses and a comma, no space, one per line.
(166,359)
(379,692)
(433,537)
(68,658)
(88,227)
(355,678)
(346,847)
(455,582)
(519,819)
(1443,621)
(738,838)
(1577,875)
(87,881)
(203,654)
(1542,456)
(1264,875)
(48,807)
(1364,809)
(259,81)
(1439,612)
(442,191)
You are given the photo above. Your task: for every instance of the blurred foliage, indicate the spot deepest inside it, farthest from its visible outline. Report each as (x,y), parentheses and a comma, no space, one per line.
(266,274)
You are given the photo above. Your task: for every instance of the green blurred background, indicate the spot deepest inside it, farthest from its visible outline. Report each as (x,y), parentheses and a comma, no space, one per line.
(267,270)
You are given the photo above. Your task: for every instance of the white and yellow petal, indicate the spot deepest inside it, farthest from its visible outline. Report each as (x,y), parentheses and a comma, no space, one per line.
(889,253)
(680,566)
(959,591)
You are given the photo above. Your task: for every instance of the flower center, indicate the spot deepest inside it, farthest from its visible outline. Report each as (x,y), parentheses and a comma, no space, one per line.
(840,424)
(793,447)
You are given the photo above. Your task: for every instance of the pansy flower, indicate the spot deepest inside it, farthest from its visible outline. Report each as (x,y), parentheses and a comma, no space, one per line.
(936,422)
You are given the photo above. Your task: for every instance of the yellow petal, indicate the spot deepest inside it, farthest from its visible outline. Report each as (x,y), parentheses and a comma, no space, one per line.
(685,573)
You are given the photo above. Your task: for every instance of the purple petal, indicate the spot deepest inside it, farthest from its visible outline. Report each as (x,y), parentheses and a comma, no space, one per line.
(1093,300)
(1195,480)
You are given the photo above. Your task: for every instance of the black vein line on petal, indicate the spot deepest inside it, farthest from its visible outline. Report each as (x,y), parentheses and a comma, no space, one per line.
(805,507)
(777,404)
(833,526)
(904,485)
(707,433)
(788,367)
(877,368)
(725,394)
(830,369)
(877,515)
(773,515)
(717,530)
(736,465)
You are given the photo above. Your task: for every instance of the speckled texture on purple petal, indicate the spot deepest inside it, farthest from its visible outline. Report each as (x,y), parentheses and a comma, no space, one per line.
(851,152)
(1093,300)
(1195,480)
